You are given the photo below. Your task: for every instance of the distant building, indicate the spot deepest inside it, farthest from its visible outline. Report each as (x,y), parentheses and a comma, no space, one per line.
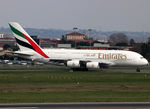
(5,39)
(48,43)
(101,45)
(64,45)
(2,35)
(1,48)
(75,36)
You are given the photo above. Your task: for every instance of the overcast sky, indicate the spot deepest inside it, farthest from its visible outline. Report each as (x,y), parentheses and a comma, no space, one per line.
(105,15)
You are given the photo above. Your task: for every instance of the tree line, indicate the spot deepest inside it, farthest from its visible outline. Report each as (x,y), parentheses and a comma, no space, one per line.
(121,39)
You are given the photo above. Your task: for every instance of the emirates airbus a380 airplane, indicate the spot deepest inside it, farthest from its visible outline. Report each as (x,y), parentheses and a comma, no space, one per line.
(74,58)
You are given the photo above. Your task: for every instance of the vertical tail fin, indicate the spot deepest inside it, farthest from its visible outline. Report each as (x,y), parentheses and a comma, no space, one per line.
(24,41)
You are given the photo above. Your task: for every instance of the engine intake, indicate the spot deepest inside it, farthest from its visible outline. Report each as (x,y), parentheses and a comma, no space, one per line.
(93,65)
(73,64)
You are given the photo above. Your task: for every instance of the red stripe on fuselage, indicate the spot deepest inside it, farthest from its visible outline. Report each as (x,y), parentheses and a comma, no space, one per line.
(36,47)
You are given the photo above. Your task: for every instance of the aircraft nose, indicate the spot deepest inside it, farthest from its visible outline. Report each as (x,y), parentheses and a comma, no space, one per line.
(146,62)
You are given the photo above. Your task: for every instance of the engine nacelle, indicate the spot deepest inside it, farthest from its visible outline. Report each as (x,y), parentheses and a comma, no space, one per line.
(73,64)
(93,65)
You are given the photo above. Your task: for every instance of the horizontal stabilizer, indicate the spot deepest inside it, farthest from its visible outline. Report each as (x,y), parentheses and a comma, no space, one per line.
(18,53)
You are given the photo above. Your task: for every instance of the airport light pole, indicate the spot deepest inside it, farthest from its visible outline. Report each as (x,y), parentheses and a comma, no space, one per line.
(74,29)
(89,30)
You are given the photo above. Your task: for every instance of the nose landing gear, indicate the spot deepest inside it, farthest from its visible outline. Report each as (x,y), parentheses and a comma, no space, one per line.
(138,69)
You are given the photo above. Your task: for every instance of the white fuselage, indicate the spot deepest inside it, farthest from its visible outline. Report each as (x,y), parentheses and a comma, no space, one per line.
(110,57)
(72,57)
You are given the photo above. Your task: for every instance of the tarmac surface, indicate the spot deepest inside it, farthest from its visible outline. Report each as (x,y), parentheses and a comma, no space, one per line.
(104,70)
(85,105)
(126,70)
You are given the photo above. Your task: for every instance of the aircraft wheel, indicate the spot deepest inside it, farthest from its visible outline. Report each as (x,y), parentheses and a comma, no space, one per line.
(79,69)
(138,69)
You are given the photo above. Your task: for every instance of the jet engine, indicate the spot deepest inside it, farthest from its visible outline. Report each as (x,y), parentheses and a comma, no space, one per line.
(73,64)
(93,65)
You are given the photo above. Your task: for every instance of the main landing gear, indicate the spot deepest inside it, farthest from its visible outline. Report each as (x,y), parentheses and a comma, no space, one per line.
(79,69)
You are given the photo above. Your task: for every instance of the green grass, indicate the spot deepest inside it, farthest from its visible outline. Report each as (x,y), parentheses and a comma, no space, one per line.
(65,86)
(82,96)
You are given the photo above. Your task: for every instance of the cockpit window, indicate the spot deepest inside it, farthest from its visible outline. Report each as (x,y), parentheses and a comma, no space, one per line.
(141,57)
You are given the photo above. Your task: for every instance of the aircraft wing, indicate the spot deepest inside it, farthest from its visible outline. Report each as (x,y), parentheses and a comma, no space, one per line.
(106,64)
(103,64)
(58,60)
(19,53)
